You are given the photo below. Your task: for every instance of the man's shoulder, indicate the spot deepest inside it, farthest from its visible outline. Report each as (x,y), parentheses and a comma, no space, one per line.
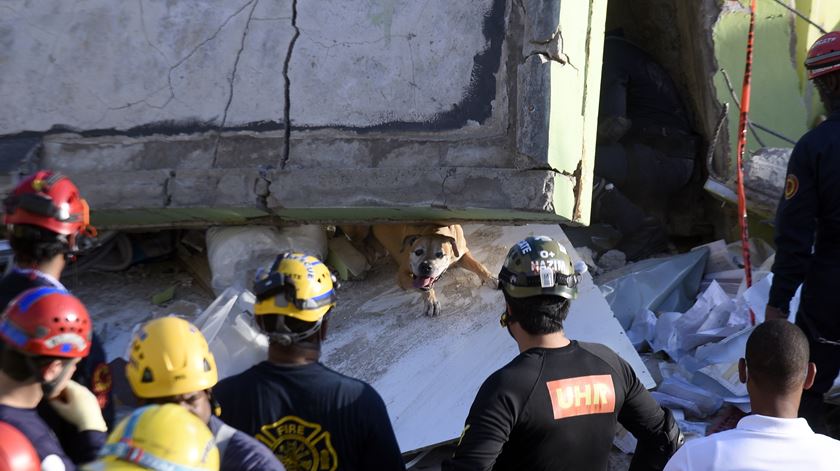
(825,132)
(520,373)
(827,443)
(16,283)
(317,376)
(605,354)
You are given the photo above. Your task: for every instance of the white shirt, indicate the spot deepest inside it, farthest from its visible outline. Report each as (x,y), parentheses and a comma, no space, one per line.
(760,442)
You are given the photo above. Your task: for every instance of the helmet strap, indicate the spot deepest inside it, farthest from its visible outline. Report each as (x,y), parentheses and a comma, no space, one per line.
(215,407)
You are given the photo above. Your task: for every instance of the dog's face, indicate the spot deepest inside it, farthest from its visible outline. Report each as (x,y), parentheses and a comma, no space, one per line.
(429,257)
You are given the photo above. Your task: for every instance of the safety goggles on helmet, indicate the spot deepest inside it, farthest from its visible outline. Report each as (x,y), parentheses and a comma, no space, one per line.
(42,205)
(538,281)
(50,201)
(283,290)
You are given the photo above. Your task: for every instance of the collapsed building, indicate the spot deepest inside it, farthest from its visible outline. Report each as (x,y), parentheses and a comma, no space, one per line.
(176,115)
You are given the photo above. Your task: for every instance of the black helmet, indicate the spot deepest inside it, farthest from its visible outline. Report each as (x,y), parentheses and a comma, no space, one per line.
(539,265)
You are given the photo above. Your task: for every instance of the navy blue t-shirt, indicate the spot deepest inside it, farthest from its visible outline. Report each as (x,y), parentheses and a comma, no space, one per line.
(311,417)
(92,372)
(43,439)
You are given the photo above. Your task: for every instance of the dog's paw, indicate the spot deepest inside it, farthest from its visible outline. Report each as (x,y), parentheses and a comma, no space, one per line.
(432,308)
(490,281)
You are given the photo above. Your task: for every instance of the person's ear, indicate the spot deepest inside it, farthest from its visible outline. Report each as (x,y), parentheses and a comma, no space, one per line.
(810,375)
(832,82)
(742,370)
(52,370)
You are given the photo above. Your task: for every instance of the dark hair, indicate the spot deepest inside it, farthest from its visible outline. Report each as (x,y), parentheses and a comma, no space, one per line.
(19,367)
(35,245)
(539,315)
(777,356)
(270,323)
(833,95)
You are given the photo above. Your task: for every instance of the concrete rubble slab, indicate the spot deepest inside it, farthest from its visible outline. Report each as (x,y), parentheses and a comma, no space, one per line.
(428,370)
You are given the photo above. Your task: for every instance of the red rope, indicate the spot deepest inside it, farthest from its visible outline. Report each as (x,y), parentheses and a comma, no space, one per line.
(742,145)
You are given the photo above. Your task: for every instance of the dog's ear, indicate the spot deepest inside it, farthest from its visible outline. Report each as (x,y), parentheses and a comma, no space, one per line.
(454,244)
(409,241)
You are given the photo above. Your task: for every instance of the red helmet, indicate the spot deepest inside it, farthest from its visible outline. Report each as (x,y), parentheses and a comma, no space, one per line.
(824,55)
(16,451)
(50,201)
(47,321)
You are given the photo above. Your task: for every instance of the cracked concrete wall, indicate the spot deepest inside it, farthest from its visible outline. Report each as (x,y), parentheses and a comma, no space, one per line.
(253,108)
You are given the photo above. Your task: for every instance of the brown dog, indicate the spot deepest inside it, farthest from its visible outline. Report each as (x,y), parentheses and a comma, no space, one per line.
(423,253)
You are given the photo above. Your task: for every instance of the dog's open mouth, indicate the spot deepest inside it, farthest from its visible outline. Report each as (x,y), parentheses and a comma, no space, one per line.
(423,283)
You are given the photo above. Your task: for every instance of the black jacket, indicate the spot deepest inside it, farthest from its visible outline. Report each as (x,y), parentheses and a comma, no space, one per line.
(808,229)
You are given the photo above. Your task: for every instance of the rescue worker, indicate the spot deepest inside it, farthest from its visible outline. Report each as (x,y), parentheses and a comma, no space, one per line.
(772,437)
(557,404)
(16,452)
(309,415)
(45,216)
(170,362)
(162,438)
(46,332)
(646,147)
(808,232)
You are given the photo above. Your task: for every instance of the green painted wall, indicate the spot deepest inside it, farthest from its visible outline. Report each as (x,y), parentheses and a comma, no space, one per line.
(575,93)
(776,100)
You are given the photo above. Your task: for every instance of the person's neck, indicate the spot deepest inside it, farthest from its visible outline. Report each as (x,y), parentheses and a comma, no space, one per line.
(52,267)
(294,355)
(555,340)
(783,406)
(20,395)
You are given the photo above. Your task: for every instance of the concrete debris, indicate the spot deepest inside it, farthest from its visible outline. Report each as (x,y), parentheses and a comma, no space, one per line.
(588,256)
(612,260)
(236,253)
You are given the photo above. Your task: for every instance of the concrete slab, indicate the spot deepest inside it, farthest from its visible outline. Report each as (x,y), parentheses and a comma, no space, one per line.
(428,370)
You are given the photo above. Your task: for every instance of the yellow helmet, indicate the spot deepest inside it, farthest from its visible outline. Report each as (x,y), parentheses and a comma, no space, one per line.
(164,437)
(169,357)
(296,285)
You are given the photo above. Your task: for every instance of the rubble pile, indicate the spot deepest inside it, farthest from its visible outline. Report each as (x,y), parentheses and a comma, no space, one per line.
(692,344)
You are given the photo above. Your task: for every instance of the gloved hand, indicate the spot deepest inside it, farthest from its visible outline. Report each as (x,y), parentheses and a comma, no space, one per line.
(77,405)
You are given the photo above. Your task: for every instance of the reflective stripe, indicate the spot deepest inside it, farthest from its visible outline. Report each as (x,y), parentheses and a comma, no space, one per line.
(27,301)
(125,452)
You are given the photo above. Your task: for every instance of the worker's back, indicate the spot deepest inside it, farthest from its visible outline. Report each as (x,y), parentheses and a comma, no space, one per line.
(558,411)
(311,414)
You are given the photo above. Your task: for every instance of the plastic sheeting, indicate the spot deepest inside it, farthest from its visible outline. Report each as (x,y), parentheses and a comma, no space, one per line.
(661,284)
(238,345)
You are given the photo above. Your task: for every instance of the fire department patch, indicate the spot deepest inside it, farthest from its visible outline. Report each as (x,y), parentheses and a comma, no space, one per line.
(299,445)
(791,186)
(101,384)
